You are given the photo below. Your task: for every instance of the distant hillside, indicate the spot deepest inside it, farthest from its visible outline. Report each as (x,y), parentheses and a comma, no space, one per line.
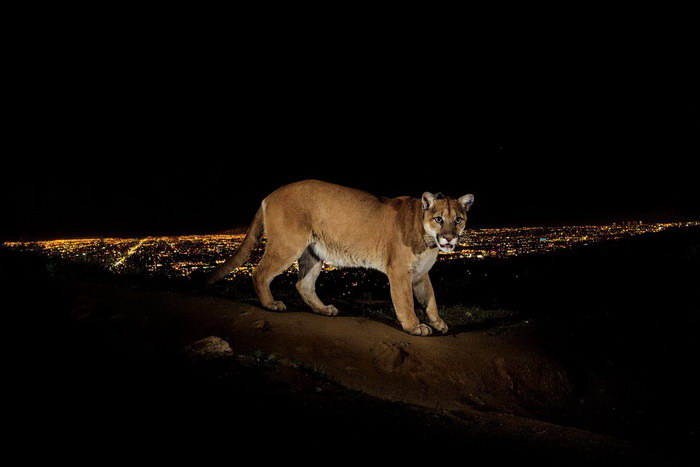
(234,231)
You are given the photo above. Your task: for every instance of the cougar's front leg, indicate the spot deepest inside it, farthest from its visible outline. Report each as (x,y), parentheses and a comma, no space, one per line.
(423,290)
(402,297)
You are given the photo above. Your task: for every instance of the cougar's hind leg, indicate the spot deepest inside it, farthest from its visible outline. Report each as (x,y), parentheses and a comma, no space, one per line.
(277,258)
(309,268)
(287,237)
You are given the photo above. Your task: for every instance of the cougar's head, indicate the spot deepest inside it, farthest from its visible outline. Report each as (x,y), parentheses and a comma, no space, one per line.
(444,218)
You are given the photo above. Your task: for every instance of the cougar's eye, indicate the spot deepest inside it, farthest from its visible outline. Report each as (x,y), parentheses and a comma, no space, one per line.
(438,219)
(458,220)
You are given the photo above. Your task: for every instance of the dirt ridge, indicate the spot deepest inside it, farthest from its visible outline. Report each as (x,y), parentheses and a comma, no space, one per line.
(460,371)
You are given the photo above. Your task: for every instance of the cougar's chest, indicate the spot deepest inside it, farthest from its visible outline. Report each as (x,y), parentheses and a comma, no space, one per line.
(424,261)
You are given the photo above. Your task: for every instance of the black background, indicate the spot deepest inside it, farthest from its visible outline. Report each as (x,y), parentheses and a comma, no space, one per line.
(124,129)
(121,123)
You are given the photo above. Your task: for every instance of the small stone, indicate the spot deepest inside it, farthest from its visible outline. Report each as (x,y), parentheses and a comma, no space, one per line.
(260,324)
(209,347)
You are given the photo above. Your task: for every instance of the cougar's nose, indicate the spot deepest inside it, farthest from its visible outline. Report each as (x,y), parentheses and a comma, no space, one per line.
(448,237)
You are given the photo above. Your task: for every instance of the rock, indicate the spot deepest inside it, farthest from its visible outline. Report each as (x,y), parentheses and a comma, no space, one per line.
(388,356)
(209,347)
(260,324)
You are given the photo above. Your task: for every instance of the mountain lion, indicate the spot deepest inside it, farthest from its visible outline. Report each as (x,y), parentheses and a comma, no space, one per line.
(313,221)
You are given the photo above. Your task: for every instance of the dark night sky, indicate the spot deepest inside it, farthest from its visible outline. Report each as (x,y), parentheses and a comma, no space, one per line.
(150,136)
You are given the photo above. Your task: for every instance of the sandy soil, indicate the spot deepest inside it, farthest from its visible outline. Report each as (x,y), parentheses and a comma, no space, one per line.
(492,386)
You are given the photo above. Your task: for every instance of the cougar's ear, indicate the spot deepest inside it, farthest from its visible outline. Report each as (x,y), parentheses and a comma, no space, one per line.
(428,199)
(466,201)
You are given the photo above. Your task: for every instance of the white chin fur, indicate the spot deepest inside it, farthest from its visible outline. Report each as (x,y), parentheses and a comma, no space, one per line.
(446,246)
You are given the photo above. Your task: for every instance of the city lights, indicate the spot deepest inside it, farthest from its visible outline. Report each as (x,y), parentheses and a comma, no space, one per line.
(183,255)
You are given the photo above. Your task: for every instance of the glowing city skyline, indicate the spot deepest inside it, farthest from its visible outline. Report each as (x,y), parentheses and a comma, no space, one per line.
(180,256)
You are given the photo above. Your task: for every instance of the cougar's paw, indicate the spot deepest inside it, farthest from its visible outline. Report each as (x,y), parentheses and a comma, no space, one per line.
(328,310)
(421,330)
(439,325)
(275,306)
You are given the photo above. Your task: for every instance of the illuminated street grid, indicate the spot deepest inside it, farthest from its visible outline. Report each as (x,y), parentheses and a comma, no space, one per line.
(181,256)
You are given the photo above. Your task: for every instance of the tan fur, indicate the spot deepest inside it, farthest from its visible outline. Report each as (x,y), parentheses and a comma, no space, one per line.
(314,221)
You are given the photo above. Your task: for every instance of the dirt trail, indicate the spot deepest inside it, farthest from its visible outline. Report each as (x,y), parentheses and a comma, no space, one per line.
(453,372)
(494,388)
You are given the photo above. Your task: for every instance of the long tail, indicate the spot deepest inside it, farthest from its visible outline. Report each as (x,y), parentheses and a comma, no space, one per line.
(243,253)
